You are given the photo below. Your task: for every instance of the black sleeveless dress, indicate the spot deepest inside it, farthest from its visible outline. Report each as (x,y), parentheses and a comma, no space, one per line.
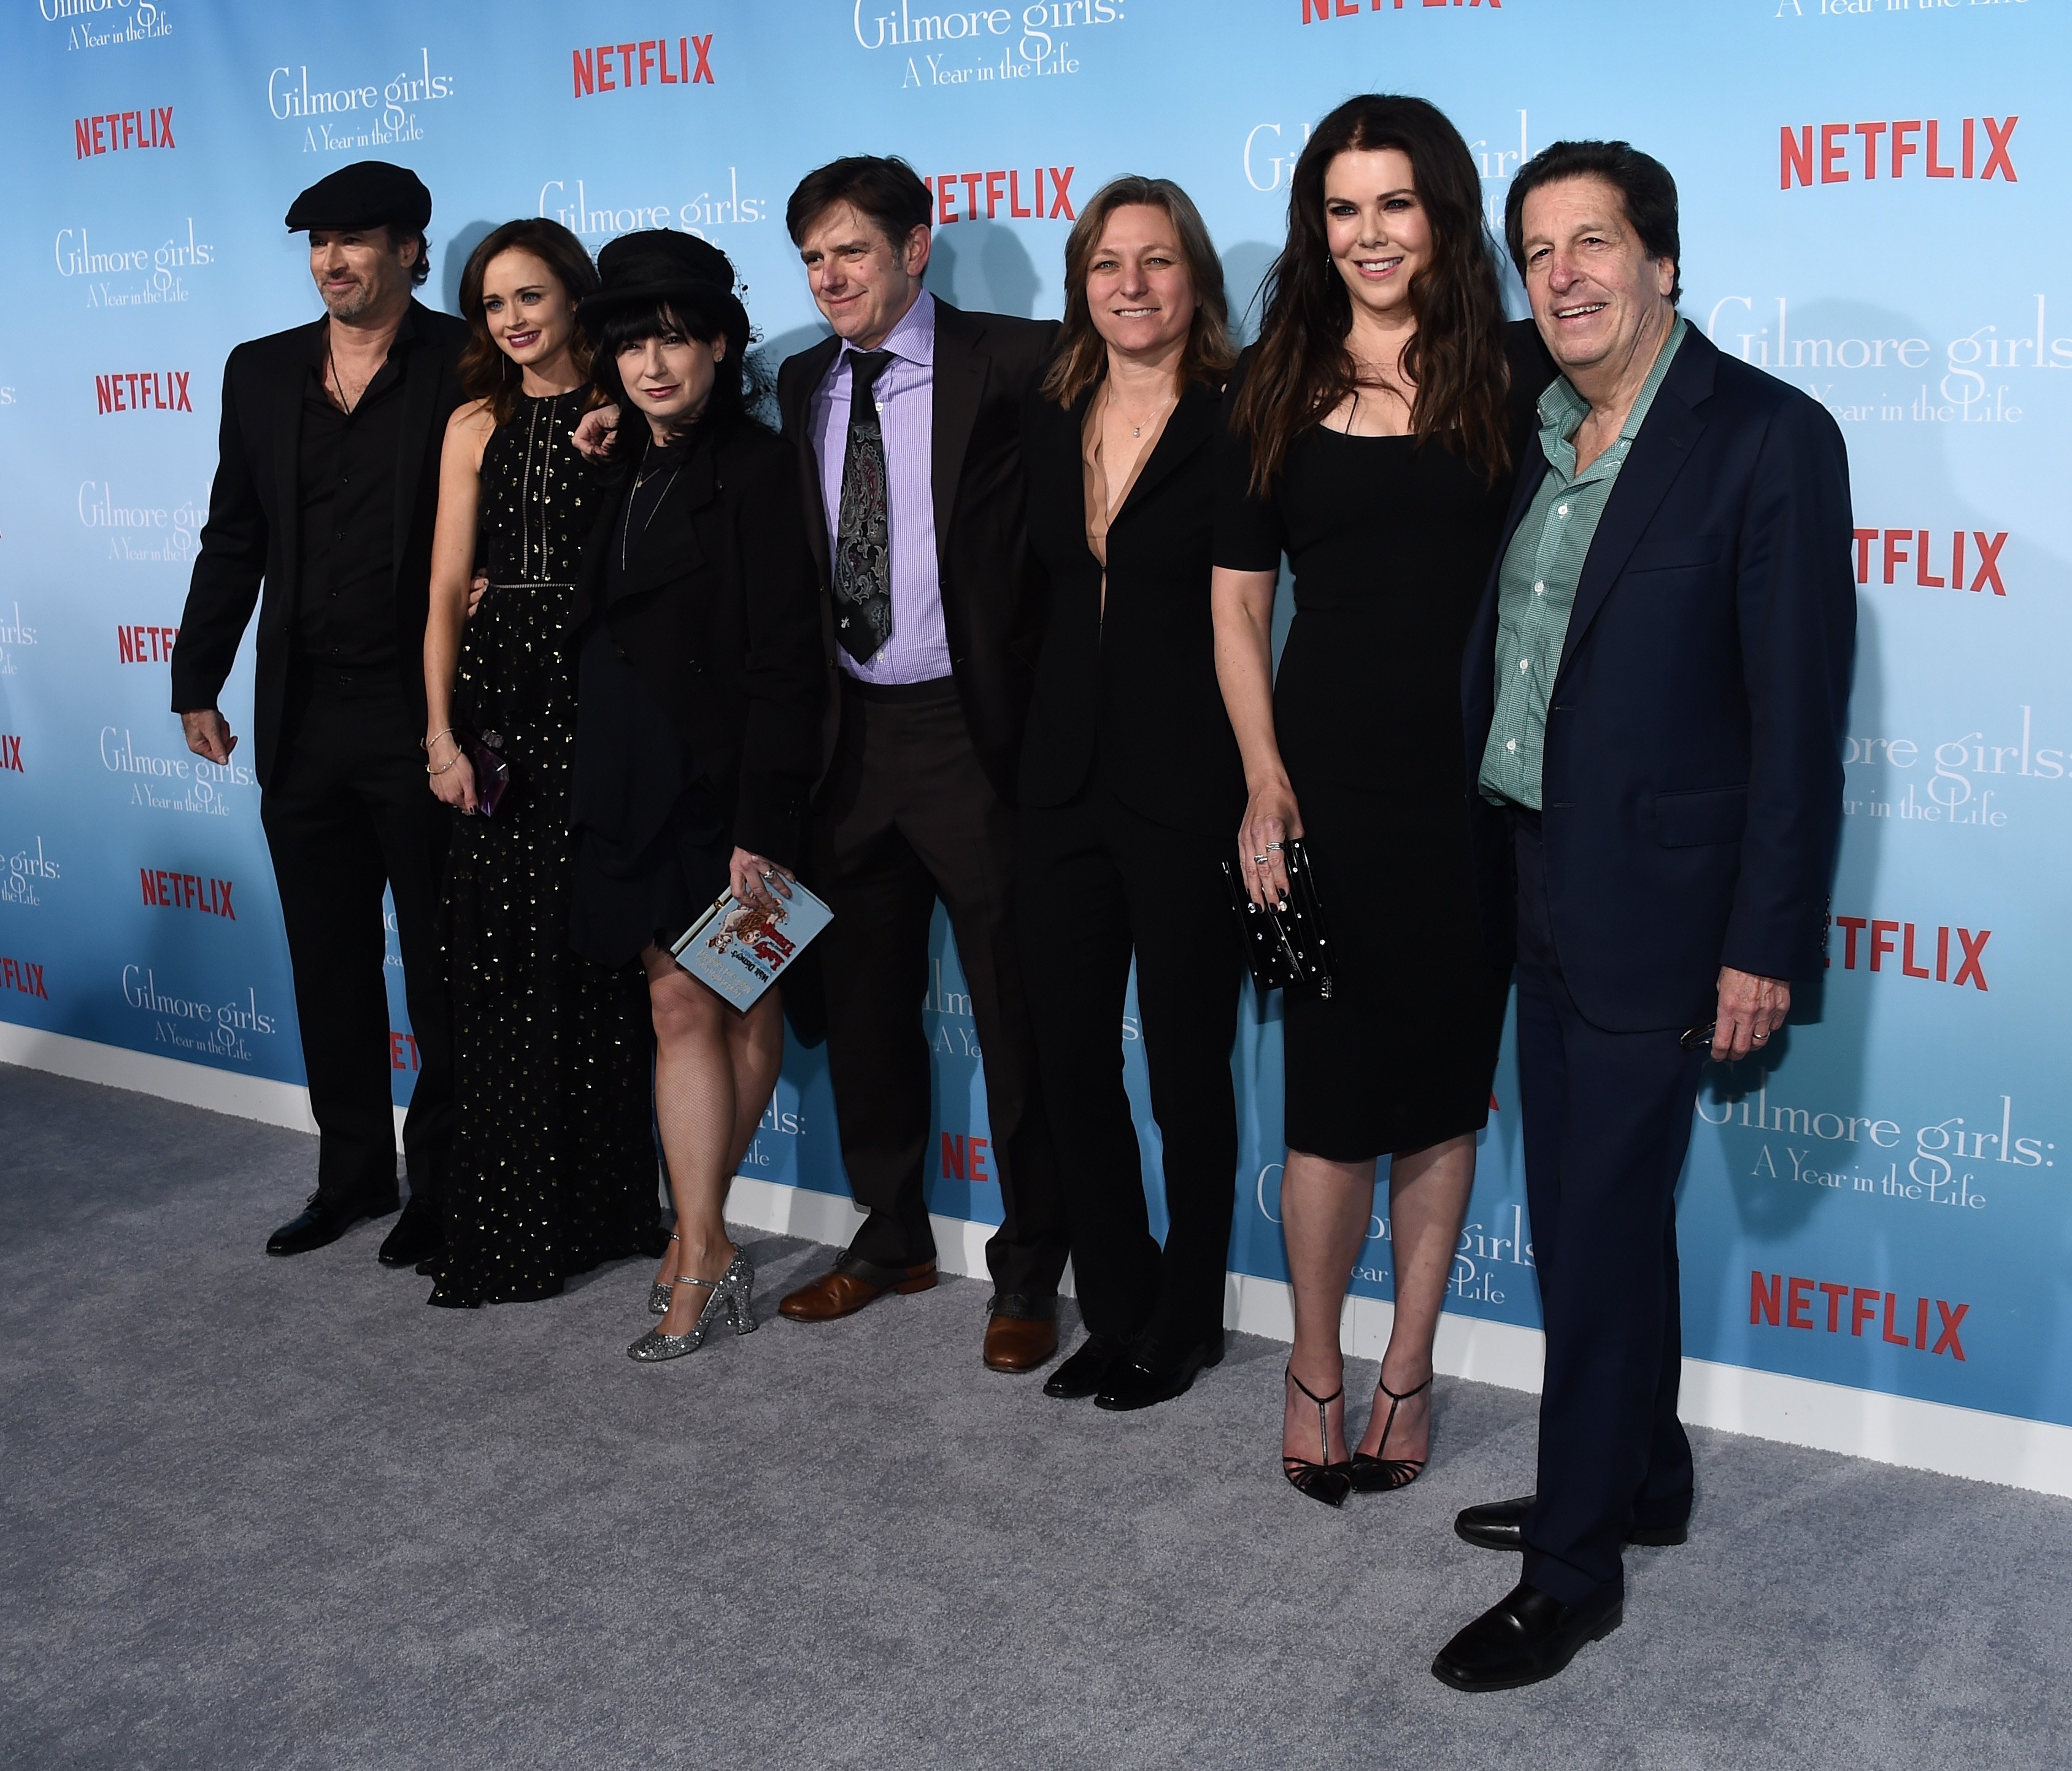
(554,1167)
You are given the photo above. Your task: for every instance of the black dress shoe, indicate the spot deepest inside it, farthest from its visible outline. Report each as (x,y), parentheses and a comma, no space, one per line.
(321,1222)
(418,1235)
(1500,1525)
(1138,1386)
(1086,1371)
(1525,1637)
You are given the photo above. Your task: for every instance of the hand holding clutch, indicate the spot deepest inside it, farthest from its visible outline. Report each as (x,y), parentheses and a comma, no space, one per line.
(1286,945)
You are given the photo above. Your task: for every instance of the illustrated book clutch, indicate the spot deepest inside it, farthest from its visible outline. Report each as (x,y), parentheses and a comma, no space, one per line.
(1286,945)
(739,949)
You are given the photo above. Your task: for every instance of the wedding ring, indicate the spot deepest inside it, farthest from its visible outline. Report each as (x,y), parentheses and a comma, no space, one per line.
(1258,860)
(1761,1037)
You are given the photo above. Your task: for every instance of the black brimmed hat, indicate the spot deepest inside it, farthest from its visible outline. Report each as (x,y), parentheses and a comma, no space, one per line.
(656,265)
(367,194)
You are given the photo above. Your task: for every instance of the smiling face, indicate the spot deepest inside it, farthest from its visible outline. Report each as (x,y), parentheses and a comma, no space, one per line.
(862,282)
(1139,289)
(361,272)
(1600,301)
(527,309)
(669,377)
(1379,232)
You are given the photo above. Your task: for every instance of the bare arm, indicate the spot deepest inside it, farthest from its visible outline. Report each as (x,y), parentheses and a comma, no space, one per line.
(1243,605)
(453,566)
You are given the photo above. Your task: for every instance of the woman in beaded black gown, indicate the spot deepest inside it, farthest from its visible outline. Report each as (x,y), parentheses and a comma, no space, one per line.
(554,1169)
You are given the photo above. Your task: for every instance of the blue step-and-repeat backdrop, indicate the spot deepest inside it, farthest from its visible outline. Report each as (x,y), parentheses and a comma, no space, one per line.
(1874,198)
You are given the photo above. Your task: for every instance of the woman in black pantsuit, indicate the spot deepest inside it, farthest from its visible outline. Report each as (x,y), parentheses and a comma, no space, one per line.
(1130,784)
(700,688)
(1373,432)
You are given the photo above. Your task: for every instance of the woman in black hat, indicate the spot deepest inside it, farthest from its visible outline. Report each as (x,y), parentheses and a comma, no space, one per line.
(554,1168)
(701,686)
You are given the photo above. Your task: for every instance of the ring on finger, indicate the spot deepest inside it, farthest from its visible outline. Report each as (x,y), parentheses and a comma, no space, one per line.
(1258,860)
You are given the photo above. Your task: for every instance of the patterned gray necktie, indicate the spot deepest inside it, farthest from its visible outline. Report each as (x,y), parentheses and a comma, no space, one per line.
(863,529)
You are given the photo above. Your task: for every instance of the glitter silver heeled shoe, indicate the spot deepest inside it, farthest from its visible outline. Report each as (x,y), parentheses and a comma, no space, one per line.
(733,1291)
(659,1293)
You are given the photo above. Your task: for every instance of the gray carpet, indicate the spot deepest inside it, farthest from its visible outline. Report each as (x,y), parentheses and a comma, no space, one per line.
(277,1513)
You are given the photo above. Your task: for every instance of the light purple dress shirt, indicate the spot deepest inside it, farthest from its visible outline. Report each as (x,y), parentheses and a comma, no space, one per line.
(918,650)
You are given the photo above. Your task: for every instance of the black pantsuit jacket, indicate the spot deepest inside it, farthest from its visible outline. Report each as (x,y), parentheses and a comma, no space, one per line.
(343,799)
(1691,803)
(1131,790)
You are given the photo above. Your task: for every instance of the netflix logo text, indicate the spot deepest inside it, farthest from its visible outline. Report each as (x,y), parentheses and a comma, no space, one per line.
(964,1159)
(636,61)
(10,753)
(114,131)
(145,645)
(143,390)
(403,1051)
(1316,11)
(1002,192)
(1871,940)
(23,977)
(1775,1301)
(1980,146)
(167,891)
(1932,560)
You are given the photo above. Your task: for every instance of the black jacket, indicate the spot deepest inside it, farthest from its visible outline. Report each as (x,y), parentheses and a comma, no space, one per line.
(253,514)
(718,614)
(993,589)
(1135,683)
(1692,775)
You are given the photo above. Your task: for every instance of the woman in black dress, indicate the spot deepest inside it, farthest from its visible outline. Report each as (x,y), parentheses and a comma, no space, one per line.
(700,693)
(1130,783)
(553,1157)
(1371,438)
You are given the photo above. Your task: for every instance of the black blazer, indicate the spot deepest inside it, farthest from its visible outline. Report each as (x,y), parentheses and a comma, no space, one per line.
(1692,780)
(717,613)
(1136,685)
(993,589)
(254,510)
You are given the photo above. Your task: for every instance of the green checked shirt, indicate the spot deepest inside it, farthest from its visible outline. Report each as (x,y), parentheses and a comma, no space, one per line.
(1536,588)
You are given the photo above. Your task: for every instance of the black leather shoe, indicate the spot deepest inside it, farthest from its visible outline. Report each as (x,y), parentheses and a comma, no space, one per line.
(418,1235)
(321,1224)
(1525,1637)
(1086,1371)
(1136,1385)
(1500,1525)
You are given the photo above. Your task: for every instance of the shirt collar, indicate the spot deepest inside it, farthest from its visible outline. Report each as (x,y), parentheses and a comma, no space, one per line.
(1562,410)
(912,340)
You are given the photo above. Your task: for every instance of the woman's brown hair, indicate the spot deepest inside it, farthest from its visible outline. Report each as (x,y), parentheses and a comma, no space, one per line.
(485,373)
(1302,369)
(1082,358)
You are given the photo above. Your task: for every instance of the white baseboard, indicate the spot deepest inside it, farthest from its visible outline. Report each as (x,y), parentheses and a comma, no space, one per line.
(1900,1430)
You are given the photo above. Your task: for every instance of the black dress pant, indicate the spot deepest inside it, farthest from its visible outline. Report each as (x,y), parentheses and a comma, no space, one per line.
(1099,883)
(1607,1121)
(907,816)
(348,810)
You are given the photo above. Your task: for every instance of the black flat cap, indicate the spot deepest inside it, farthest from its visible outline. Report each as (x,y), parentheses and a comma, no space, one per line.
(367,194)
(658,263)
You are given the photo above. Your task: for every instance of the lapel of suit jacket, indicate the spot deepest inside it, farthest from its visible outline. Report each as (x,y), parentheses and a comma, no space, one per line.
(798,419)
(1186,431)
(287,396)
(1660,448)
(959,384)
(423,372)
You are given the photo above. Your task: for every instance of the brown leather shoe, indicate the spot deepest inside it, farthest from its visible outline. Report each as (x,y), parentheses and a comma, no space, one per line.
(1019,1343)
(852,1284)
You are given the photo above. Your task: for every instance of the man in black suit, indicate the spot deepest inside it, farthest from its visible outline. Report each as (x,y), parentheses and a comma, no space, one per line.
(907,425)
(1655,697)
(325,492)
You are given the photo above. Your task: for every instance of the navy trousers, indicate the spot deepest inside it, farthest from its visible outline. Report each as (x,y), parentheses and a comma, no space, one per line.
(1607,1121)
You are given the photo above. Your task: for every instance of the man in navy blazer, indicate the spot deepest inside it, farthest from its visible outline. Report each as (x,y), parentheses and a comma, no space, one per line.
(1655,695)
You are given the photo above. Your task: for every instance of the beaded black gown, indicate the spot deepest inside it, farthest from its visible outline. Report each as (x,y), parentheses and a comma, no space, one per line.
(554,1168)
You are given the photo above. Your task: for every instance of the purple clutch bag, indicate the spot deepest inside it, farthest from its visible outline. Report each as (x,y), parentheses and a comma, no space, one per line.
(492,775)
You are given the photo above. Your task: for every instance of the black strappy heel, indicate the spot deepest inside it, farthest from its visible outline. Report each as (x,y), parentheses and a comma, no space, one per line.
(1373,1475)
(1326,1482)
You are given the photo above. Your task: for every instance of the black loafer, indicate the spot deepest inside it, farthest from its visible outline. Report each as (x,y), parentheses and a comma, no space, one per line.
(1086,1371)
(1525,1637)
(1138,1386)
(322,1223)
(418,1235)
(1500,1525)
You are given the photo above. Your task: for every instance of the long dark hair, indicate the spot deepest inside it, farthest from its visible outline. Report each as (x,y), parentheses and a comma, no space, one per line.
(485,373)
(737,383)
(1302,367)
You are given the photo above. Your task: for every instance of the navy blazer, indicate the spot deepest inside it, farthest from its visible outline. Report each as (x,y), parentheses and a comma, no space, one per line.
(1692,780)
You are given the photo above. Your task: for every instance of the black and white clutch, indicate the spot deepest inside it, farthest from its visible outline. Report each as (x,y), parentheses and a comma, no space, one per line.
(1286,945)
